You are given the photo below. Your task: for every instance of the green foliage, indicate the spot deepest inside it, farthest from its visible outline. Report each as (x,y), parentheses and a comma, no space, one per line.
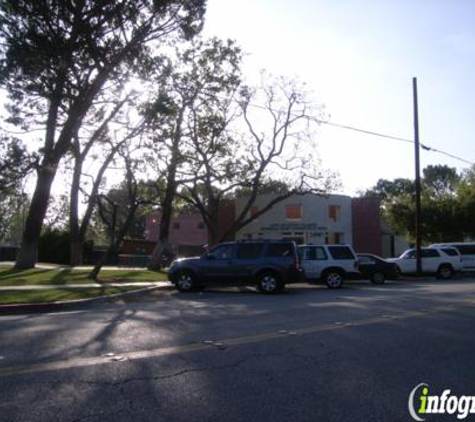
(466,196)
(62,62)
(15,164)
(64,48)
(441,180)
(447,204)
(53,246)
(389,189)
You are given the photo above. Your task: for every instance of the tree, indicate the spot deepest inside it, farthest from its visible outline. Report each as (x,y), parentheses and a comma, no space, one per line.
(268,146)
(15,164)
(466,196)
(118,209)
(441,180)
(443,217)
(198,79)
(59,57)
(104,147)
(388,190)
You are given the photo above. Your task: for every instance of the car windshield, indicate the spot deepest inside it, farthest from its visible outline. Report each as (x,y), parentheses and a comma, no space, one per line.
(408,254)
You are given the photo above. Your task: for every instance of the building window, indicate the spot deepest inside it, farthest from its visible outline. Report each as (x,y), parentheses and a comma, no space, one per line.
(176,225)
(334,238)
(293,212)
(334,212)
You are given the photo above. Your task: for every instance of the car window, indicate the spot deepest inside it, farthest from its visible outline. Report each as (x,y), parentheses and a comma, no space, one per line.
(221,252)
(364,259)
(466,249)
(409,254)
(280,249)
(249,250)
(341,252)
(450,251)
(312,253)
(430,253)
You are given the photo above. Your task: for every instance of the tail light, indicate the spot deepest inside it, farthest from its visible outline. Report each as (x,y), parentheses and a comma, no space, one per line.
(296,263)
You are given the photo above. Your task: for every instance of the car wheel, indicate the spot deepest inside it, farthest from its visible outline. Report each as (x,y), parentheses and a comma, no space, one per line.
(186,281)
(269,283)
(333,279)
(445,272)
(378,278)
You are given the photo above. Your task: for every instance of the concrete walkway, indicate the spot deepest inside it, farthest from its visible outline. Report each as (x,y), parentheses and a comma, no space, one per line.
(41,266)
(89,285)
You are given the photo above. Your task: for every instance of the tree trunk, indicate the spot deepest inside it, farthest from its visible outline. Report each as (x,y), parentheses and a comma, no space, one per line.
(213,221)
(77,257)
(28,254)
(97,268)
(76,241)
(167,206)
(162,244)
(115,243)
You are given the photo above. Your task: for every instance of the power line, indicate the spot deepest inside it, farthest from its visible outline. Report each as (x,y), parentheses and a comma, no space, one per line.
(368,132)
(373,133)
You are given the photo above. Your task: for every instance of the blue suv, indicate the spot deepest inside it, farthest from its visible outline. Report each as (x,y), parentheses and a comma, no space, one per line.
(268,264)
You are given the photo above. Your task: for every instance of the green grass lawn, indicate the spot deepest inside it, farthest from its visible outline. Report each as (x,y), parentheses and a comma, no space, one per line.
(8,297)
(62,277)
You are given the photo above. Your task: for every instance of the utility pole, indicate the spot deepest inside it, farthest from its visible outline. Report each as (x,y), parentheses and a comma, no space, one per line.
(417,179)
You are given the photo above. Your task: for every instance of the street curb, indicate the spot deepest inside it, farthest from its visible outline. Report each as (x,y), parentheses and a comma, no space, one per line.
(25,308)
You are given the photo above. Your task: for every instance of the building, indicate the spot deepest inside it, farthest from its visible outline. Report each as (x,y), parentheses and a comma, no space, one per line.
(329,219)
(309,218)
(305,218)
(188,233)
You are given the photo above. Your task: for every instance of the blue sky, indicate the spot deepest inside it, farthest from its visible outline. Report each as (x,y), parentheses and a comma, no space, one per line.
(359,58)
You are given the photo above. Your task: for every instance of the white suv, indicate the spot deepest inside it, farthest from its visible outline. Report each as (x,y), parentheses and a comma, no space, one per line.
(442,261)
(330,263)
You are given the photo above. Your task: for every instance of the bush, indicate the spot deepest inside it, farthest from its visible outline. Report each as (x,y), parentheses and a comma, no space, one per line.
(53,247)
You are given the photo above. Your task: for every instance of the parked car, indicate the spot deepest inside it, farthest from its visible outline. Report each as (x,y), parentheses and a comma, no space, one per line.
(329,263)
(269,264)
(443,262)
(376,269)
(467,253)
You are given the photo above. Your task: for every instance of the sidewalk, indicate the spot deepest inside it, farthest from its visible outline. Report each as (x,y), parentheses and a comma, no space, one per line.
(59,267)
(87,286)
(142,287)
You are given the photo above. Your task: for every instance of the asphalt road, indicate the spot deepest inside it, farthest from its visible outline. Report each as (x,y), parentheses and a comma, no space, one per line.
(309,354)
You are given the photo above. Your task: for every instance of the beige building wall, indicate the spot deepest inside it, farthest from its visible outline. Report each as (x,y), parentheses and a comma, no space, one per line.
(322,219)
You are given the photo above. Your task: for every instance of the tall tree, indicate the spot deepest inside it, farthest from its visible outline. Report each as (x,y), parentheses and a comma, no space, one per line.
(119,207)
(15,164)
(443,215)
(388,190)
(268,147)
(103,144)
(199,77)
(466,196)
(441,180)
(59,57)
